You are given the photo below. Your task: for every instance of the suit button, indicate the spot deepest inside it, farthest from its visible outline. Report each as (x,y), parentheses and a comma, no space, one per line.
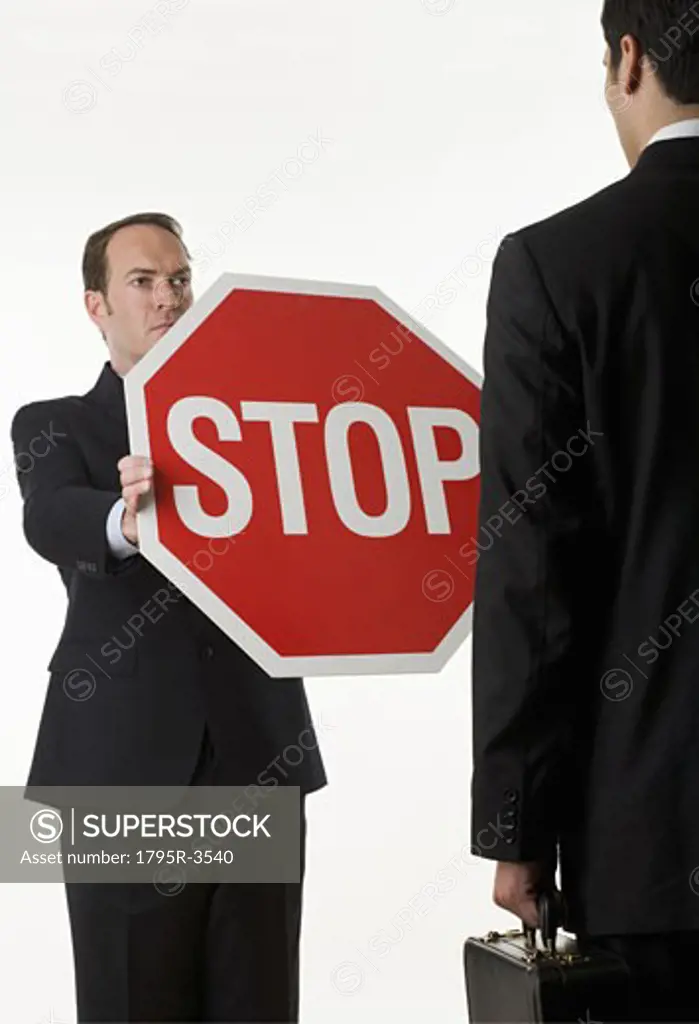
(510,795)
(509,839)
(207,652)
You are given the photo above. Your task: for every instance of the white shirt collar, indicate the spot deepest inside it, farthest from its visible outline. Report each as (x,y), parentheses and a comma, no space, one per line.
(678,130)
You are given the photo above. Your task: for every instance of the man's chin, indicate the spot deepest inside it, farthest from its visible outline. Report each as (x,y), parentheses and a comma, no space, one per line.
(145,345)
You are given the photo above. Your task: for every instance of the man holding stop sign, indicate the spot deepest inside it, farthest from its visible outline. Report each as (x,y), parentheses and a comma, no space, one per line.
(144,688)
(297,494)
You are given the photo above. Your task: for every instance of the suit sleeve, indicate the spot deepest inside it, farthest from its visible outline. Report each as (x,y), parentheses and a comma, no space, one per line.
(528,683)
(64,515)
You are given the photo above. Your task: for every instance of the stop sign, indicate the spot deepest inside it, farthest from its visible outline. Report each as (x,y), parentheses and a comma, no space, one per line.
(316,475)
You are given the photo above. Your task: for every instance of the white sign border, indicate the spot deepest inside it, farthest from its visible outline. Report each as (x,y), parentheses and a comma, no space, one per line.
(276,665)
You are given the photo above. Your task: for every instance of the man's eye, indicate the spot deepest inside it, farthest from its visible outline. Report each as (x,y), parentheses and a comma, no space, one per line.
(183,281)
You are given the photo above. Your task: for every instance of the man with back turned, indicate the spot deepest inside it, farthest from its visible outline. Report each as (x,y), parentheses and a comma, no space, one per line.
(586,642)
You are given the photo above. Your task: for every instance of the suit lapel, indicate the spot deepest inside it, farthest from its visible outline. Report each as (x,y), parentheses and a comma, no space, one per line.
(108,401)
(108,393)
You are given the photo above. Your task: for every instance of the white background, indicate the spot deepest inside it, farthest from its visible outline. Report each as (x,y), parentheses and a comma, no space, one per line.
(451,121)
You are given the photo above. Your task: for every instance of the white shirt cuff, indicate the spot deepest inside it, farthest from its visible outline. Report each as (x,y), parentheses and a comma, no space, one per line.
(118,544)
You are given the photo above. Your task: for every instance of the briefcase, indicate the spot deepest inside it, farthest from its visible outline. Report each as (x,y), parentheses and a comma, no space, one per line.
(511,978)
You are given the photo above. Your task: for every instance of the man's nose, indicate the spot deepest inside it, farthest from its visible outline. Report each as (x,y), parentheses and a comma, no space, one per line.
(168,295)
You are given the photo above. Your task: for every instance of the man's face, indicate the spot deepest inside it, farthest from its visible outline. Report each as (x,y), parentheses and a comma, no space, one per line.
(148,289)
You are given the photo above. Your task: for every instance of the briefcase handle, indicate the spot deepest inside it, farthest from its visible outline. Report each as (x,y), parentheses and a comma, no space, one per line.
(550,907)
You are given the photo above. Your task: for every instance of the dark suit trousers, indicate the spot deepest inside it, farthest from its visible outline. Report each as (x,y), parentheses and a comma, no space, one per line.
(663,967)
(212,952)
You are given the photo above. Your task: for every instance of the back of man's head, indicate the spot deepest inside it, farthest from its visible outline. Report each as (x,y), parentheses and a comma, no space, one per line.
(667,32)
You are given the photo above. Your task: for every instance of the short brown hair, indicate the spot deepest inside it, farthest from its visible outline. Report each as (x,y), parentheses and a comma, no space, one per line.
(663,38)
(94,266)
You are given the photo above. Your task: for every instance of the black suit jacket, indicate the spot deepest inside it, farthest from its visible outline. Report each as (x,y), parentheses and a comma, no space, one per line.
(138,669)
(586,631)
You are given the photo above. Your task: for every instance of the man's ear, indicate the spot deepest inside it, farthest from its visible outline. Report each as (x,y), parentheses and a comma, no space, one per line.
(91,300)
(96,306)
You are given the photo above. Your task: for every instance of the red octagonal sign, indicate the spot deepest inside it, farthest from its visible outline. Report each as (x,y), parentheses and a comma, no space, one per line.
(316,475)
